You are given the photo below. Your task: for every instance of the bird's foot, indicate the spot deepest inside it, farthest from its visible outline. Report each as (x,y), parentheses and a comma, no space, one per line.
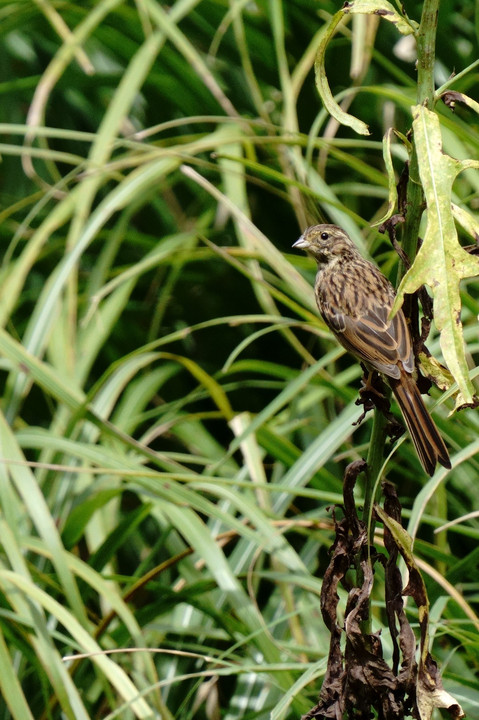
(371,395)
(394,429)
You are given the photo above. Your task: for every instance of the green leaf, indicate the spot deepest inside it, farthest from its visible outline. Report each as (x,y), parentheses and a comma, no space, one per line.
(27,487)
(322,83)
(118,677)
(359,7)
(11,687)
(392,192)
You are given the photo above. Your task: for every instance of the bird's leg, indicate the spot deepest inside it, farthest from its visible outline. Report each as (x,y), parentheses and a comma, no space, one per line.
(372,395)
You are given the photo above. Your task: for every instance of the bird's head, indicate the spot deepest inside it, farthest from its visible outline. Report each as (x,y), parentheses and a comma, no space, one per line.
(325,243)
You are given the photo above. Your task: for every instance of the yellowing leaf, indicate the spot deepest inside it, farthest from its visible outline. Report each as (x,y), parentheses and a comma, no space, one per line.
(437,373)
(441,262)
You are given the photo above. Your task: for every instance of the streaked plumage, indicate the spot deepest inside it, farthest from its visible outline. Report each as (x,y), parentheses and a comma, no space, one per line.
(355,300)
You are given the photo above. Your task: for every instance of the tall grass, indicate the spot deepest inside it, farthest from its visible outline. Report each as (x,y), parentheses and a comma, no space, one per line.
(175,418)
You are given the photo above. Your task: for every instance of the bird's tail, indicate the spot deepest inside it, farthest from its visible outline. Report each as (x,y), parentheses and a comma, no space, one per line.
(429,444)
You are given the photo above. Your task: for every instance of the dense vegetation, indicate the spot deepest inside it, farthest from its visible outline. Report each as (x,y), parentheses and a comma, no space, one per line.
(175,418)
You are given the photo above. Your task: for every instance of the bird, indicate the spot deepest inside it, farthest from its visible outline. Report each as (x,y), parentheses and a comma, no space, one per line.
(355,300)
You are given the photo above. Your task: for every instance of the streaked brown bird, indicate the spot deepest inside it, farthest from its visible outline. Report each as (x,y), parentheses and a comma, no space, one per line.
(355,299)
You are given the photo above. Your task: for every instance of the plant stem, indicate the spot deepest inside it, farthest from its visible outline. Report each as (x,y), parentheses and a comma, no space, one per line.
(426,40)
(426,44)
(426,47)
(375,461)
(371,495)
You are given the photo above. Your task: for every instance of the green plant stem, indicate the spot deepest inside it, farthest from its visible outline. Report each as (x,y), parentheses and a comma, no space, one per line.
(425,39)
(426,43)
(415,206)
(371,493)
(426,47)
(375,461)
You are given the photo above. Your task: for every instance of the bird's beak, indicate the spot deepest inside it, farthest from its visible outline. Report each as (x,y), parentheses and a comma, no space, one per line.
(302,243)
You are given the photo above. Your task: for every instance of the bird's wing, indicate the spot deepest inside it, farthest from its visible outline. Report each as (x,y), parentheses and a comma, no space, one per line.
(371,337)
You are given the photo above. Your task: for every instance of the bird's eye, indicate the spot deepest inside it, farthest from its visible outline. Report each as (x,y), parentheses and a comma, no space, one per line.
(324,235)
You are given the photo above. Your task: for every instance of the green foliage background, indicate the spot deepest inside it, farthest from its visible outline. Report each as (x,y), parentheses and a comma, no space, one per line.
(175,418)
